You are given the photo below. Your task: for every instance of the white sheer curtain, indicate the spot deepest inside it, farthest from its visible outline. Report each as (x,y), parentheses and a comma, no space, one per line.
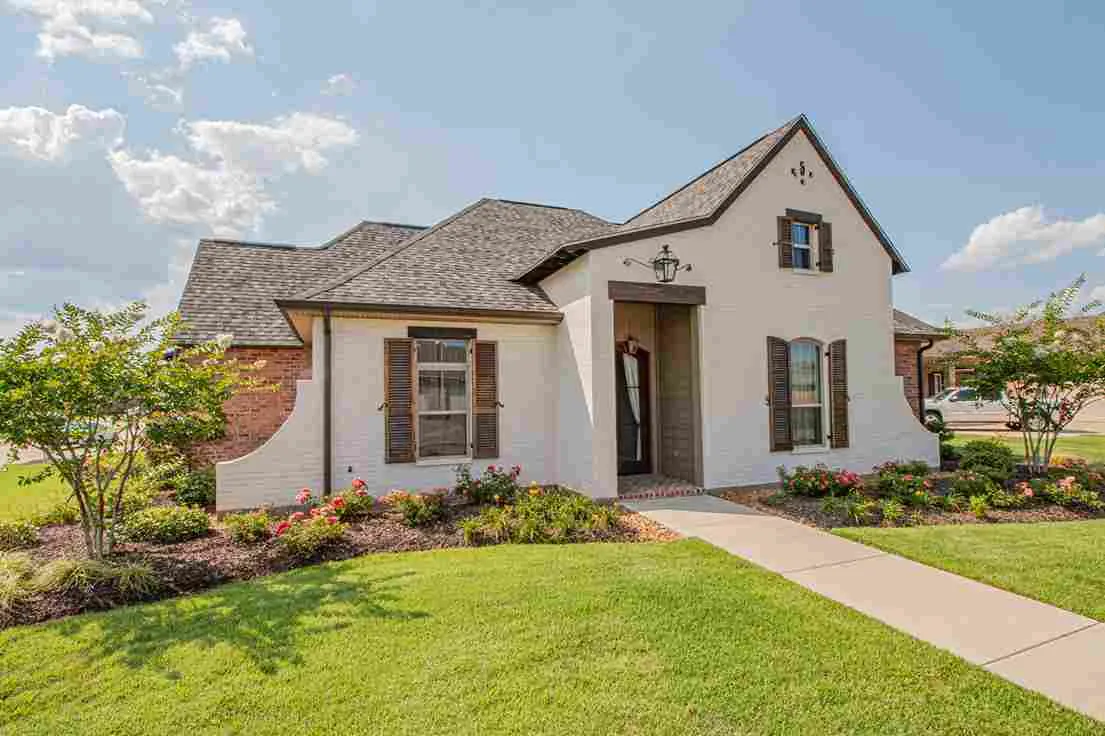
(633,389)
(805,392)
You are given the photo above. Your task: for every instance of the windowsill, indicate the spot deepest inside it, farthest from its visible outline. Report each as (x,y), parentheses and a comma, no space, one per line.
(452,460)
(809,450)
(806,271)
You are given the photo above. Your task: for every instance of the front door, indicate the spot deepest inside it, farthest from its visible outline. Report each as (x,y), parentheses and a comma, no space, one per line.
(634,413)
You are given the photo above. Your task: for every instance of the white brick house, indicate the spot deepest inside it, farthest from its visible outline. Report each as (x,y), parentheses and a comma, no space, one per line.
(520,334)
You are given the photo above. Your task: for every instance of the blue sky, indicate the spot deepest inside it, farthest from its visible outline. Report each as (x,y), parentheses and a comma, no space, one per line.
(129,128)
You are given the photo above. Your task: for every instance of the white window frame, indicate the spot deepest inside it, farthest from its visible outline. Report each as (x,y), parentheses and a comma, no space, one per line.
(811,234)
(821,442)
(420,412)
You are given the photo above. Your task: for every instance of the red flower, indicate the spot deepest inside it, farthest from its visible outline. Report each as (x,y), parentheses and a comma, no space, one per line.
(282,527)
(361,492)
(316,511)
(338,502)
(358,484)
(303,496)
(331,519)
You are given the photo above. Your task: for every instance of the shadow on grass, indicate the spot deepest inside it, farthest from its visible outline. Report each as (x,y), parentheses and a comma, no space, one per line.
(266,619)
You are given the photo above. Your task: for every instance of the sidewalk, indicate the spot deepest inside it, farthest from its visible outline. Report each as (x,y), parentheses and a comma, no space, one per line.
(1040,647)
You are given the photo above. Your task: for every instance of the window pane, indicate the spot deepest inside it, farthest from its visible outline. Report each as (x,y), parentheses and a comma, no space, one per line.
(805,373)
(800,234)
(455,386)
(805,425)
(430,395)
(442,351)
(443,435)
(802,258)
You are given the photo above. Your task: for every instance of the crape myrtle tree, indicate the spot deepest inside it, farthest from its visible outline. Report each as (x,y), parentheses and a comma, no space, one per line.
(1049,359)
(91,390)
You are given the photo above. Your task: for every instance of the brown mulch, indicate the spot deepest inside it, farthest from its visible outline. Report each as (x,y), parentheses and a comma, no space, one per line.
(808,511)
(215,559)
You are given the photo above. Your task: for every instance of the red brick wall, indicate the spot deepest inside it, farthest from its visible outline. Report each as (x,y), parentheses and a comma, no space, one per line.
(254,417)
(905,365)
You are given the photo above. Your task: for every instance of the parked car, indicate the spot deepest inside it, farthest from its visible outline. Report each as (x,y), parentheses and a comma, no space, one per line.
(965,406)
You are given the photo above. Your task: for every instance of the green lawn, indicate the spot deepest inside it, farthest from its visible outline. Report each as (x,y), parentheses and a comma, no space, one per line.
(1089,447)
(676,638)
(1059,563)
(20,502)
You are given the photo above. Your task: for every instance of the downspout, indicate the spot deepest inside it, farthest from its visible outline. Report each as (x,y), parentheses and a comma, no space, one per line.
(327,406)
(921,380)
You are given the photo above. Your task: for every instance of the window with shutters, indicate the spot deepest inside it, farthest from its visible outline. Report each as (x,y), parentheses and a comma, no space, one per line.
(806,406)
(801,237)
(442,402)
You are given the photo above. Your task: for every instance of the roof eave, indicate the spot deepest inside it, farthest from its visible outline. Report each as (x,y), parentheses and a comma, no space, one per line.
(414,310)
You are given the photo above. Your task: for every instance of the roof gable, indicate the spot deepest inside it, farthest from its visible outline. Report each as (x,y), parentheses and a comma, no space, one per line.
(703,200)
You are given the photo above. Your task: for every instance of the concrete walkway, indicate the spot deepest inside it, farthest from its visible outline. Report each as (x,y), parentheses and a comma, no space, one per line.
(1040,647)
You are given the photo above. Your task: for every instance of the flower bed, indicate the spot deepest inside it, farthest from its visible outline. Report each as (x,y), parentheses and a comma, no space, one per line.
(252,544)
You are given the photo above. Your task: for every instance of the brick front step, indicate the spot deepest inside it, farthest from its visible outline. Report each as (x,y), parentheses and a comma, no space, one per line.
(640,487)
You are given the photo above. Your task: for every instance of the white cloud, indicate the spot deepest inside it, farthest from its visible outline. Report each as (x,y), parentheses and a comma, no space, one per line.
(162,90)
(339,85)
(1025,236)
(94,28)
(226,188)
(224,38)
(39,133)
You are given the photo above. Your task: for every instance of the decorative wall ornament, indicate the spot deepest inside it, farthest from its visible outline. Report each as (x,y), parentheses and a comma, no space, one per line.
(801,173)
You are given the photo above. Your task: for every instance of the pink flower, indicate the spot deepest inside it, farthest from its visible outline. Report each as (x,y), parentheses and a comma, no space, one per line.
(358,484)
(1067,482)
(316,511)
(303,496)
(297,516)
(361,492)
(331,520)
(338,502)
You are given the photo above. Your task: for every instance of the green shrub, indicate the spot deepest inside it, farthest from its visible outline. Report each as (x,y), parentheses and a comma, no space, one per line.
(496,485)
(903,467)
(892,510)
(166,473)
(777,499)
(540,516)
(248,528)
(62,513)
(979,506)
(167,524)
(137,496)
(1068,492)
(818,481)
(955,502)
(906,488)
(860,509)
(15,578)
(417,509)
(356,503)
(1001,499)
(949,452)
(969,483)
(832,504)
(308,535)
(17,534)
(990,458)
(195,488)
(1088,476)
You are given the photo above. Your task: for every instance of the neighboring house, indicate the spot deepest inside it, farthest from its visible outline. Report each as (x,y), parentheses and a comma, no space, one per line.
(913,341)
(518,333)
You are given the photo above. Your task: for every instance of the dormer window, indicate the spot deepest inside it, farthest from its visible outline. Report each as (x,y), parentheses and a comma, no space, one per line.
(801,236)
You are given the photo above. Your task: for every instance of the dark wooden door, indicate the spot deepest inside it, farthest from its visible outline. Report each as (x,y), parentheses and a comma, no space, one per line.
(634,411)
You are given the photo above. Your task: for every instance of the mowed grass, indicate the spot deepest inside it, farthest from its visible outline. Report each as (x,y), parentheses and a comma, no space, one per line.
(1061,563)
(676,638)
(1088,447)
(21,502)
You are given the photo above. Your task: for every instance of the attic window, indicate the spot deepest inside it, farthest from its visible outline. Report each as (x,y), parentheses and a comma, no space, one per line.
(801,236)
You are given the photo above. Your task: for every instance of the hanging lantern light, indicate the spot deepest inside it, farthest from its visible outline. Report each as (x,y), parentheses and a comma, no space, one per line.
(665,266)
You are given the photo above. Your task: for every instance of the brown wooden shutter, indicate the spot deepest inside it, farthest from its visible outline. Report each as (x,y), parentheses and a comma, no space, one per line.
(398,400)
(838,392)
(825,246)
(785,243)
(485,404)
(778,394)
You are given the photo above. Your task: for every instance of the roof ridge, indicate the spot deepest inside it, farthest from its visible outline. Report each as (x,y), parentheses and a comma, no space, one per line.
(541,204)
(355,272)
(293,246)
(715,167)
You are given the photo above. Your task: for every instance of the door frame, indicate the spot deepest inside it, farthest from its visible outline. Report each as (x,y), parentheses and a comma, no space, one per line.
(644,391)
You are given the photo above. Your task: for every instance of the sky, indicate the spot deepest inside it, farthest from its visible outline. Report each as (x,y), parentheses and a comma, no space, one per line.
(131,128)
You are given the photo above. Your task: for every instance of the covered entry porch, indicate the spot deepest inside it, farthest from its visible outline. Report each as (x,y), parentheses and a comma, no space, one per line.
(657,388)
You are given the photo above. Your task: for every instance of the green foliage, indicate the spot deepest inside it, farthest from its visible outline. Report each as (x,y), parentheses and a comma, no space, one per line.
(903,467)
(979,506)
(969,483)
(818,481)
(496,485)
(892,511)
(93,391)
(540,517)
(906,488)
(17,534)
(132,580)
(195,488)
(311,535)
(859,509)
(167,524)
(355,503)
(1070,493)
(248,528)
(990,458)
(777,499)
(949,452)
(62,513)
(956,502)
(417,509)
(1049,365)
(15,579)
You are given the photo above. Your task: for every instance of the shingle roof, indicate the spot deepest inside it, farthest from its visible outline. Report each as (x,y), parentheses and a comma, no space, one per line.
(232,284)
(464,262)
(909,326)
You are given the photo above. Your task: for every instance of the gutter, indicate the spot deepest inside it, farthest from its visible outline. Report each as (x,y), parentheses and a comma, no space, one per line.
(328,405)
(921,379)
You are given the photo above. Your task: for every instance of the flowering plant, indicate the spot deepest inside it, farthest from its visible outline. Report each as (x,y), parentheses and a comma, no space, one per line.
(1069,492)
(497,484)
(819,480)
(305,534)
(417,509)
